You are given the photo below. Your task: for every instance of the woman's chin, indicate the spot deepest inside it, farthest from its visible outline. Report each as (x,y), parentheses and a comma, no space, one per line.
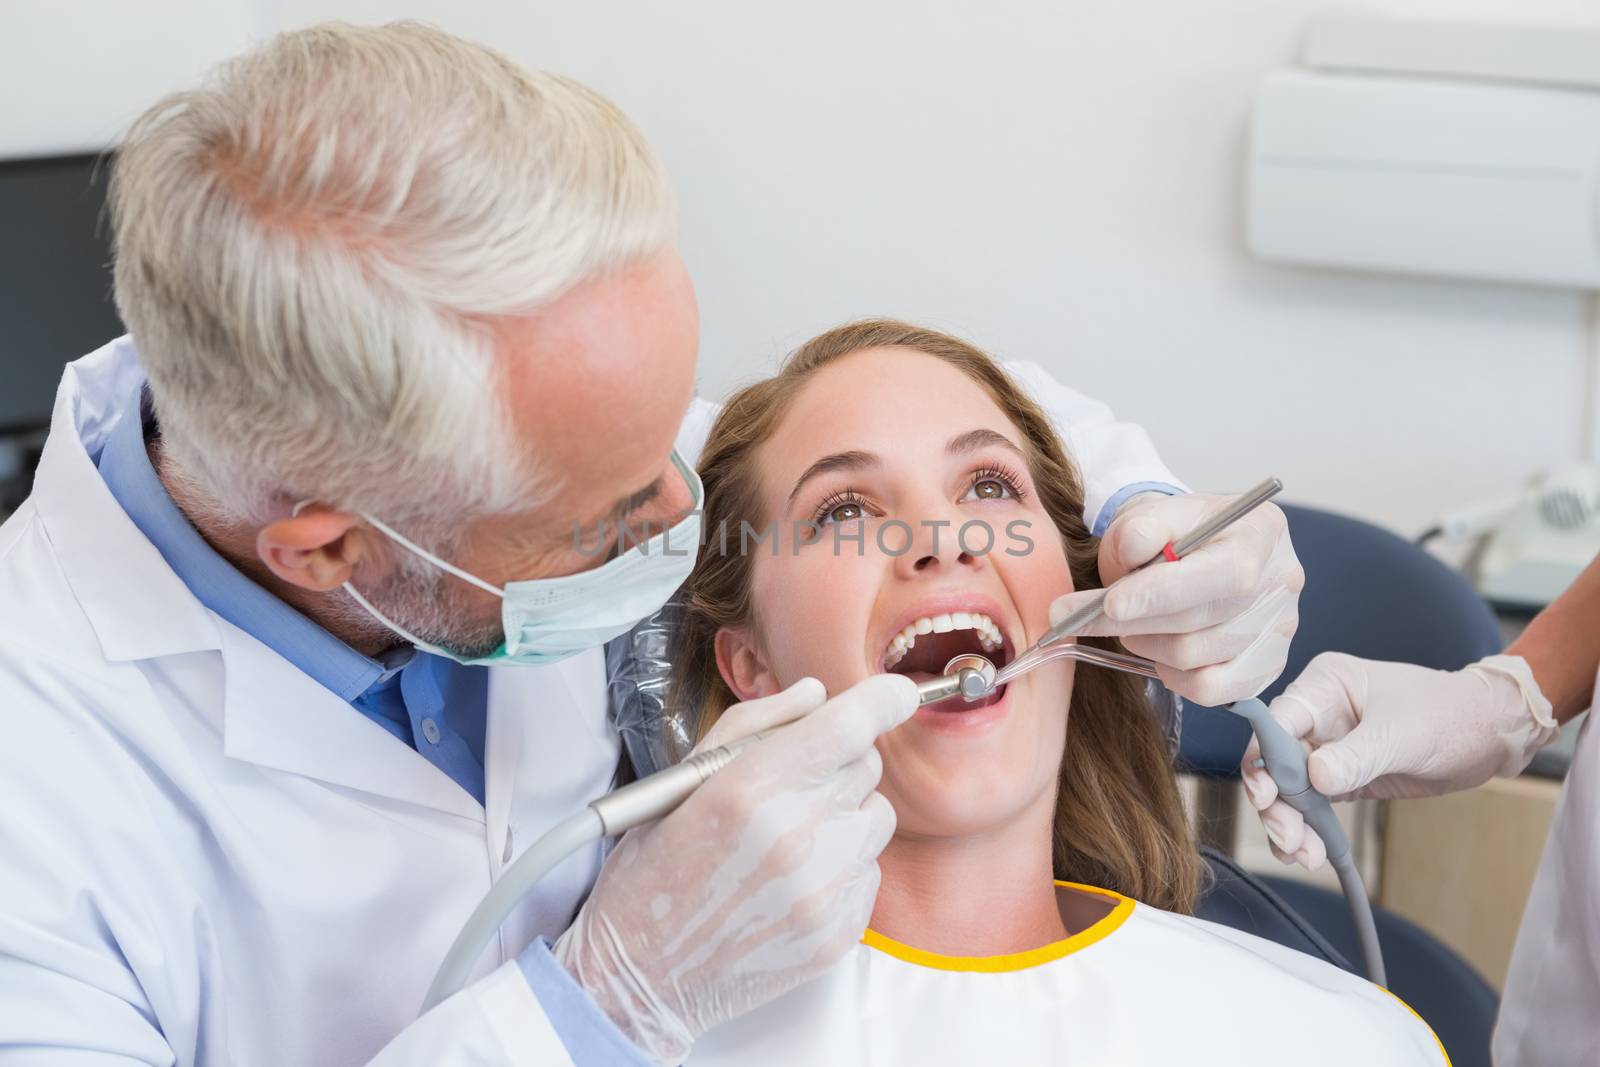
(927,819)
(955,801)
(944,781)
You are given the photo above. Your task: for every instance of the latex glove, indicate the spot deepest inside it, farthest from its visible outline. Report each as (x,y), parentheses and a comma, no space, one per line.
(762,879)
(1391,730)
(1218,622)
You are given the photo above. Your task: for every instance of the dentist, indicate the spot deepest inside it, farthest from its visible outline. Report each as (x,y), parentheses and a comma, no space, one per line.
(298,648)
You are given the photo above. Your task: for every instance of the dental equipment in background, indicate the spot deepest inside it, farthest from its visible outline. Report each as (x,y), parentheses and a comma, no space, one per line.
(970,676)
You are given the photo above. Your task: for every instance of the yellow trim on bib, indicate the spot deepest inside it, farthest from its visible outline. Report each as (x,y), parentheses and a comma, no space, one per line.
(1423,1021)
(1015,961)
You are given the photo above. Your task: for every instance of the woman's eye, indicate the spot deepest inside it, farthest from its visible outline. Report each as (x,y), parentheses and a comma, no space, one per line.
(989,489)
(849,511)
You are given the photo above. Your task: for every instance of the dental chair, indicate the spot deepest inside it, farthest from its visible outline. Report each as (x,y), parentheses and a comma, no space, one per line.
(1371,594)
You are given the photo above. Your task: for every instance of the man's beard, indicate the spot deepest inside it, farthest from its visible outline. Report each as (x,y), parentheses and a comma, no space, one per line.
(420,599)
(417,595)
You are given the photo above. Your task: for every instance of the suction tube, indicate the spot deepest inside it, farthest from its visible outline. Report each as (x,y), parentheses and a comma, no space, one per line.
(560,842)
(1285,760)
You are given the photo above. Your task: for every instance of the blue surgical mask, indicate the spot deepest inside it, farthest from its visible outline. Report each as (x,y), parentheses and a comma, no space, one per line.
(549,619)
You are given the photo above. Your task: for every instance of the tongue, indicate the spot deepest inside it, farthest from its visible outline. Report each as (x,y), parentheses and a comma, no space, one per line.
(926,658)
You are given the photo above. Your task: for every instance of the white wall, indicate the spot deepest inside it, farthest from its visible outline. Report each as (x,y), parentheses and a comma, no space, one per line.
(1057,182)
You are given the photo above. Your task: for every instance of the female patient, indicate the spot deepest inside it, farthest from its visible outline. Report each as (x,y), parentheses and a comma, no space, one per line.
(1034,900)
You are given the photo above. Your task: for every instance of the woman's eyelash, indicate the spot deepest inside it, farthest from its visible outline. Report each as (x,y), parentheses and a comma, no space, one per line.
(1006,477)
(834,499)
(1009,478)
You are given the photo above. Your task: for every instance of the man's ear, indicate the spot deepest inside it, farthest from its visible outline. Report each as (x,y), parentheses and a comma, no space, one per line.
(314,550)
(743,664)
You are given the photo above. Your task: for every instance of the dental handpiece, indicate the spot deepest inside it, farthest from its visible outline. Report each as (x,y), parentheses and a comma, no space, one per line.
(968,676)
(658,795)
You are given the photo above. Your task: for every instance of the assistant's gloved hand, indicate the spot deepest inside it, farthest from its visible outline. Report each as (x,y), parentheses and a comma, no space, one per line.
(1391,730)
(764,877)
(1217,621)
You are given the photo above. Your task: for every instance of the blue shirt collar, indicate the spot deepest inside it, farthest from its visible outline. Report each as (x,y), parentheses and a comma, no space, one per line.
(125,467)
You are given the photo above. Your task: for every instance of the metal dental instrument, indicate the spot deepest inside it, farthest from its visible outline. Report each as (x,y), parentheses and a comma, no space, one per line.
(973,677)
(1046,649)
(1209,527)
(968,676)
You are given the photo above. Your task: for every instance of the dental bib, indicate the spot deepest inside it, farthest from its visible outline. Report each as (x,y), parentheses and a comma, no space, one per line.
(1139,986)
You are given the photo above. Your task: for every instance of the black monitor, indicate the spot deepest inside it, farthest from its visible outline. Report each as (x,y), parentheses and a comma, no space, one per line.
(55,279)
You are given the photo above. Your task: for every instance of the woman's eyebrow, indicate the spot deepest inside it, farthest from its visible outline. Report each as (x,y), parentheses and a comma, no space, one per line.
(973,440)
(856,459)
(853,460)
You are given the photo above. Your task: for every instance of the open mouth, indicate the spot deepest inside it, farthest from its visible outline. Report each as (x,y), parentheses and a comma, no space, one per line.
(921,650)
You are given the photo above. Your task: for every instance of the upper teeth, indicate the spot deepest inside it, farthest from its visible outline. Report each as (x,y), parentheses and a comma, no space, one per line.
(988,633)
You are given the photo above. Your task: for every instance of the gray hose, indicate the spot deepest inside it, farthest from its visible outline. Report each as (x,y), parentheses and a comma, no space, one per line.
(1285,760)
(651,797)
(1355,895)
(565,838)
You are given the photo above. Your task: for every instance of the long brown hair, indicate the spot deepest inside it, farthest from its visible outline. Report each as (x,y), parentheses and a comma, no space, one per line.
(1119,823)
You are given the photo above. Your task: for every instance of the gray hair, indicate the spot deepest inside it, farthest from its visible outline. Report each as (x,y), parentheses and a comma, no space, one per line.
(312,250)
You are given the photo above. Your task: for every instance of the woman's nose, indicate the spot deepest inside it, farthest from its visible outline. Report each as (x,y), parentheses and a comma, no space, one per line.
(939,542)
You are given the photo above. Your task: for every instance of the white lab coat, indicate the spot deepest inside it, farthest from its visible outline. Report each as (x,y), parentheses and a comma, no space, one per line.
(1552,991)
(208,858)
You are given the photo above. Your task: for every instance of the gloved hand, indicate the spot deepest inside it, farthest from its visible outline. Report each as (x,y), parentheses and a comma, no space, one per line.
(1391,730)
(764,877)
(1218,621)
